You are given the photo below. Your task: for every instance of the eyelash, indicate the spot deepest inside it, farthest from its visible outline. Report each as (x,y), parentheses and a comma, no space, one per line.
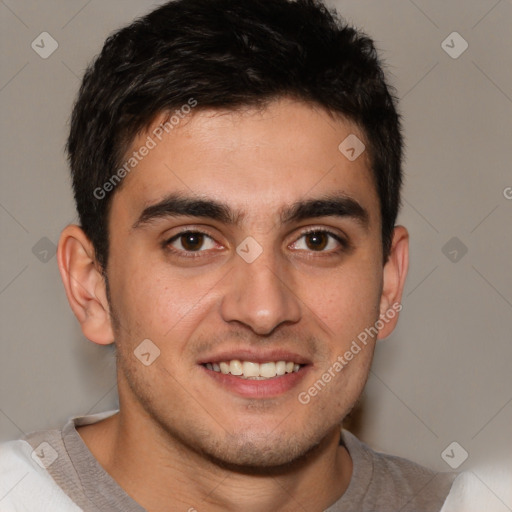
(344,244)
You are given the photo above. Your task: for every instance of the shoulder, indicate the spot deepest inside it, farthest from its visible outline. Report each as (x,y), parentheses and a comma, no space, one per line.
(409,478)
(397,481)
(25,484)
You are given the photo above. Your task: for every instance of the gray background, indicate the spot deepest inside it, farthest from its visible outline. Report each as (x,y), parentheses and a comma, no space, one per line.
(443,376)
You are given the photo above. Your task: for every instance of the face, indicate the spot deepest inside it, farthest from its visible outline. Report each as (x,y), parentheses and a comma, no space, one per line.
(246,242)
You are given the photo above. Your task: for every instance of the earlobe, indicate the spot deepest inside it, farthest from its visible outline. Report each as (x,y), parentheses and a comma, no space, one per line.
(395,272)
(84,284)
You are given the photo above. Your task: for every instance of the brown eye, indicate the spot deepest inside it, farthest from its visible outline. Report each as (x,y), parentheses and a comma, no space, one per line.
(317,241)
(191,241)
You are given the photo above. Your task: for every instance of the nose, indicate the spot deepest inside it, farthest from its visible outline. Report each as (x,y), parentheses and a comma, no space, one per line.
(260,295)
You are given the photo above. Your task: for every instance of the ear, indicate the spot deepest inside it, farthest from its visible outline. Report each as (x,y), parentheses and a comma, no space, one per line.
(85,285)
(395,272)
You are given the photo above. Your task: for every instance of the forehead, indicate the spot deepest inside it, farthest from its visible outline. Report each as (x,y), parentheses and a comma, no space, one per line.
(253,159)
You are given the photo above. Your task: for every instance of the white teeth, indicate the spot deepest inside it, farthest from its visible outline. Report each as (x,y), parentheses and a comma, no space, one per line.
(268,370)
(281,367)
(252,370)
(235,367)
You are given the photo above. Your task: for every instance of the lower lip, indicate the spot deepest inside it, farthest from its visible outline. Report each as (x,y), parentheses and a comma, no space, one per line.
(251,388)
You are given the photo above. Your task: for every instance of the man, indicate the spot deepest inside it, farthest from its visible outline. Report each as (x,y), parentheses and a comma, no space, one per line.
(237,168)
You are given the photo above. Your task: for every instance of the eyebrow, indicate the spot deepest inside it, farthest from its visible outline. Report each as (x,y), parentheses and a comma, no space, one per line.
(335,205)
(176,205)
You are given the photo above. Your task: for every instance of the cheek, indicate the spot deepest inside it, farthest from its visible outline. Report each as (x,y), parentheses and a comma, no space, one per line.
(346,300)
(155,301)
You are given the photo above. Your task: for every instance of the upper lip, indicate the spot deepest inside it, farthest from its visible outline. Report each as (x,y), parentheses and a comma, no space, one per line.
(256,356)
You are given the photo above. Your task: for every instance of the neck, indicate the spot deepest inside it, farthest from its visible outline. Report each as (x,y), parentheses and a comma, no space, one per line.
(161,474)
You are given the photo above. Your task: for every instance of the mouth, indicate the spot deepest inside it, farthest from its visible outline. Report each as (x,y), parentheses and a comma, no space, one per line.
(253,370)
(250,374)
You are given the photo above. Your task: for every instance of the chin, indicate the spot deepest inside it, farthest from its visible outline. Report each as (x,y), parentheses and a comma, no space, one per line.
(486,488)
(261,453)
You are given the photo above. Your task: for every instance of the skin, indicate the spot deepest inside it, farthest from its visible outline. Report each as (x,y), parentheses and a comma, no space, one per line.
(181,441)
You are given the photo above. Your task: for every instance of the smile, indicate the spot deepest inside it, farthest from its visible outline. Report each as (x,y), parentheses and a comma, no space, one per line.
(253,370)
